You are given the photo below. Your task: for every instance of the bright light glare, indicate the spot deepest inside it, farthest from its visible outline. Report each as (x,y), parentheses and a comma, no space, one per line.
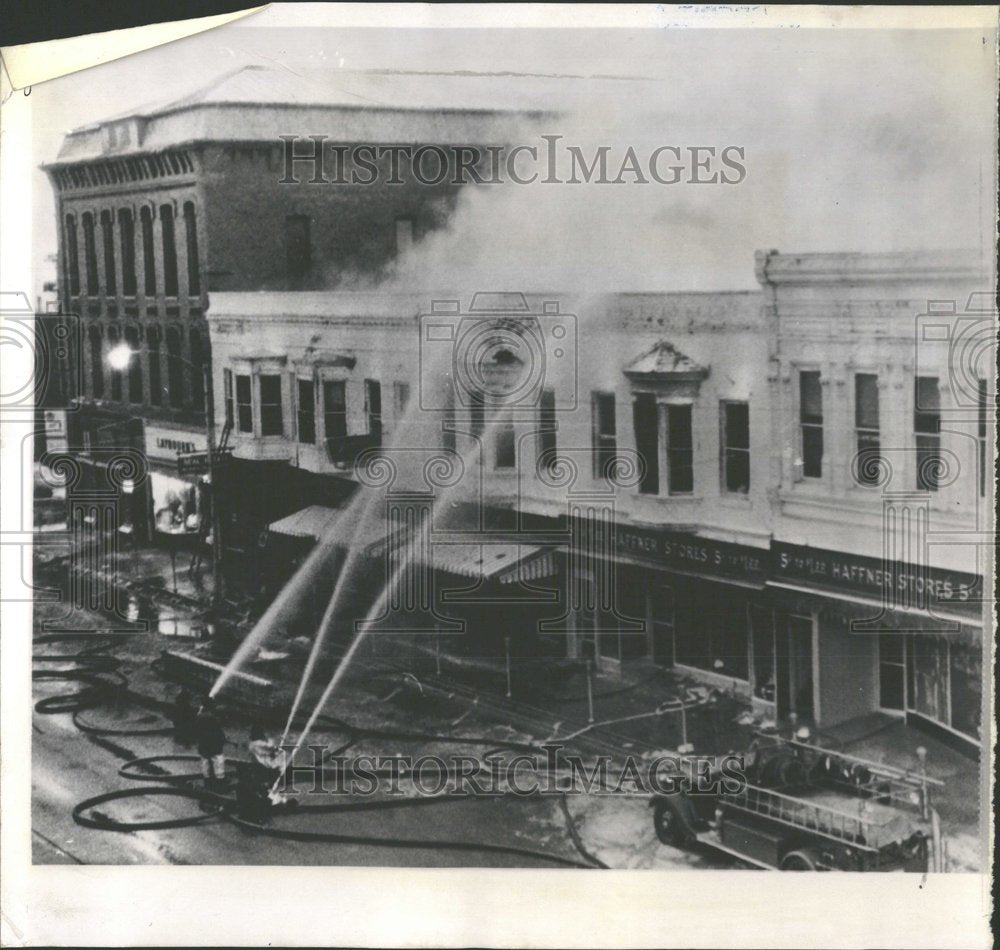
(120,356)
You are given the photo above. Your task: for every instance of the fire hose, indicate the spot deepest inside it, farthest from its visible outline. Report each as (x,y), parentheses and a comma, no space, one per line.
(101,678)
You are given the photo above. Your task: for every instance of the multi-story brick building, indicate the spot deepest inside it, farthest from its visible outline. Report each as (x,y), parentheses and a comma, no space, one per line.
(749,533)
(163,206)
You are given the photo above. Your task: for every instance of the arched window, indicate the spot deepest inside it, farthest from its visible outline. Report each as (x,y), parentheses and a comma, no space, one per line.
(108,239)
(90,254)
(72,257)
(191,236)
(175,369)
(96,363)
(148,253)
(126,234)
(169,250)
(116,377)
(135,365)
(197,371)
(153,340)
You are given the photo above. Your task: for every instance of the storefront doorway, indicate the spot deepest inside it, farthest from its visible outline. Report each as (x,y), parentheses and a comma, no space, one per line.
(795,691)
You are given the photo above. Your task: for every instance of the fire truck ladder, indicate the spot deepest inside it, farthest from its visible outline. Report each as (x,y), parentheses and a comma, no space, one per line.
(804,815)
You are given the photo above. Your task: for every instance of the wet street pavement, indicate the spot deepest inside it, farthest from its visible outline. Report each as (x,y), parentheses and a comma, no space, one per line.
(69,765)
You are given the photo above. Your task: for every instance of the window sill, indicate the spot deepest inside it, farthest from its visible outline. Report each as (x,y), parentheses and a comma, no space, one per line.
(735,499)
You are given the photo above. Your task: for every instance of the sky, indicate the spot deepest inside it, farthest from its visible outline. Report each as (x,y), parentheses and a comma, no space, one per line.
(854,140)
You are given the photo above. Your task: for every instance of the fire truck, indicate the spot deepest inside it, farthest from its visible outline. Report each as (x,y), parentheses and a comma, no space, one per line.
(805,808)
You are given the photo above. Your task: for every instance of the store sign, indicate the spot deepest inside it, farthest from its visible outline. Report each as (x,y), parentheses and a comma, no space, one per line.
(55,430)
(689,554)
(894,584)
(192,463)
(166,445)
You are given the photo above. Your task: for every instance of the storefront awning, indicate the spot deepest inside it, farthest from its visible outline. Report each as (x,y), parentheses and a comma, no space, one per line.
(507,563)
(314,522)
(890,616)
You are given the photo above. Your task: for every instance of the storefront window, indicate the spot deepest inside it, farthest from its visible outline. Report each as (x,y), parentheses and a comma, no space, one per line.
(966,669)
(928,677)
(711,630)
(890,657)
(762,634)
(945,681)
(175,504)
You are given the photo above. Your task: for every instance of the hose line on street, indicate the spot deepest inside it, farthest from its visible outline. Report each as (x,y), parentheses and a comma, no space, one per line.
(100,678)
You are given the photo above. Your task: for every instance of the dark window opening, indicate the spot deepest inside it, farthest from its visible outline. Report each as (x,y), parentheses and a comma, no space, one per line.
(148,252)
(927,432)
(448,435)
(645,421)
(175,368)
(90,254)
(96,363)
(736,447)
(116,376)
(227,392)
(506,455)
(108,240)
(866,425)
(334,410)
(155,379)
(604,444)
(126,236)
(169,250)
(135,365)
(244,404)
(811,420)
(191,237)
(680,451)
(373,407)
(307,411)
(477,412)
(271,418)
(72,256)
(547,428)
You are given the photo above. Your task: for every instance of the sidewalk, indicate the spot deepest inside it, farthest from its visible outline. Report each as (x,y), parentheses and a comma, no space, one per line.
(553,705)
(388,687)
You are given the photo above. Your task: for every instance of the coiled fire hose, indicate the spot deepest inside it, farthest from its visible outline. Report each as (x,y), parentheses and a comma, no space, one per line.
(102,680)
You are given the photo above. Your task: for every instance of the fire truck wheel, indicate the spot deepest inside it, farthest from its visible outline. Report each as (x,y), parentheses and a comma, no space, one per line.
(668,824)
(791,772)
(803,860)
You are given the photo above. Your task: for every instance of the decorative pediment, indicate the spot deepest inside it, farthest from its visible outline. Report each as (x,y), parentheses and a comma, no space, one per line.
(665,363)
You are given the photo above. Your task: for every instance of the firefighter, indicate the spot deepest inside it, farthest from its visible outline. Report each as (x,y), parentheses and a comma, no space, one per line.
(183,718)
(256,777)
(211,742)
